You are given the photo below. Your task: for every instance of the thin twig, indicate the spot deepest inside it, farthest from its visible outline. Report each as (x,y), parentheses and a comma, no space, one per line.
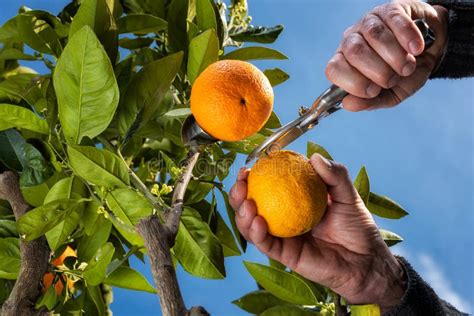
(174,215)
(34,256)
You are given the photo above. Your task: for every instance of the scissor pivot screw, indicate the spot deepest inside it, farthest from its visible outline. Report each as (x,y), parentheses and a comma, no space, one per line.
(303,110)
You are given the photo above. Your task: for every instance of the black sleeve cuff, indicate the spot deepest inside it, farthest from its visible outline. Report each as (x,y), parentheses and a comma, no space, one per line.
(458,61)
(419,298)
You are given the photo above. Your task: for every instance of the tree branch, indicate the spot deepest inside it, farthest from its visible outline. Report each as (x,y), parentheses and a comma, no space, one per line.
(34,256)
(174,215)
(159,238)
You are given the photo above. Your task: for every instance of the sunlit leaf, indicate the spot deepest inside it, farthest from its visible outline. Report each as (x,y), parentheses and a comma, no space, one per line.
(259,34)
(282,284)
(385,207)
(203,51)
(100,167)
(276,76)
(362,185)
(94,273)
(128,278)
(205,15)
(254,53)
(129,205)
(19,117)
(196,238)
(85,86)
(9,258)
(258,301)
(313,148)
(390,238)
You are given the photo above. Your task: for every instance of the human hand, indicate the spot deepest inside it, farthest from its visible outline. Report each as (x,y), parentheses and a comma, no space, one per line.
(375,62)
(344,252)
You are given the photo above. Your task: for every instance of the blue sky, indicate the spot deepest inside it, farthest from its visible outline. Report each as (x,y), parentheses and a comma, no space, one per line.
(421,154)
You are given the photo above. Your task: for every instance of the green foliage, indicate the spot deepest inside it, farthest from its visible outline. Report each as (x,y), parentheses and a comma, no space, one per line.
(100,119)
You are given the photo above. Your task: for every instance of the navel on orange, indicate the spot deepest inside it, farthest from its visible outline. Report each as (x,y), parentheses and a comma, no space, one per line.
(231,100)
(288,193)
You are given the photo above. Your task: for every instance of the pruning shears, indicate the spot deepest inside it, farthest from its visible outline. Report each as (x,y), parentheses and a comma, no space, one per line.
(326,104)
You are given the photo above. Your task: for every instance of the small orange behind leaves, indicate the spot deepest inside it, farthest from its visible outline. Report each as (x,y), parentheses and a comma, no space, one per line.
(48,277)
(231,100)
(288,193)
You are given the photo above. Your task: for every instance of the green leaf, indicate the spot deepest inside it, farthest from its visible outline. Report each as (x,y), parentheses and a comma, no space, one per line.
(89,244)
(365,310)
(259,34)
(205,15)
(313,148)
(127,231)
(390,238)
(94,273)
(203,51)
(48,299)
(59,233)
(12,153)
(36,169)
(196,238)
(128,278)
(35,195)
(231,216)
(276,264)
(13,53)
(67,188)
(134,43)
(38,33)
(20,87)
(273,122)
(289,310)
(100,167)
(182,112)
(19,117)
(254,53)
(94,302)
(90,217)
(177,26)
(140,24)
(385,207)
(247,145)
(282,284)
(128,205)
(362,185)
(227,240)
(9,258)
(93,13)
(41,219)
(257,302)
(8,228)
(85,86)
(146,91)
(276,76)
(9,31)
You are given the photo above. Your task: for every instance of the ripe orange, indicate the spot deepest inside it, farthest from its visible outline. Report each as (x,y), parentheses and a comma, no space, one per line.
(231,100)
(288,192)
(48,277)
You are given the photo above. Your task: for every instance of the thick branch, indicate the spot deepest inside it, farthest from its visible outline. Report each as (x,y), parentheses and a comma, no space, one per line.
(34,256)
(159,238)
(172,218)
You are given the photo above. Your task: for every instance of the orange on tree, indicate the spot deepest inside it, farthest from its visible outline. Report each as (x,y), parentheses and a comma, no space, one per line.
(48,277)
(231,100)
(288,193)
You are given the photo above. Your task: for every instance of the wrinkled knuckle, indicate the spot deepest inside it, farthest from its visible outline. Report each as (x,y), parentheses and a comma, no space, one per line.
(384,78)
(348,31)
(374,29)
(331,67)
(352,46)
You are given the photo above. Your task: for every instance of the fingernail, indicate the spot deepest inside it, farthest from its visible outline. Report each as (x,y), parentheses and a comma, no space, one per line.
(373,90)
(414,46)
(241,170)
(393,81)
(326,161)
(408,69)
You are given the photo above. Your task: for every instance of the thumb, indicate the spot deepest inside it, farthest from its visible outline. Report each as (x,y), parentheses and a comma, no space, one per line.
(337,179)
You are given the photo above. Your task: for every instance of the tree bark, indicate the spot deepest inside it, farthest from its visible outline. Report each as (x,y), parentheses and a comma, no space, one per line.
(34,256)
(159,238)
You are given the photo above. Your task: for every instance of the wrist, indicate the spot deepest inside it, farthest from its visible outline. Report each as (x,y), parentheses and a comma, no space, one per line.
(384,284)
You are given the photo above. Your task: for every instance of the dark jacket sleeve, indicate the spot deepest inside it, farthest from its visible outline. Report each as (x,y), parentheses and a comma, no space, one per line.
(419,298)
(458,61)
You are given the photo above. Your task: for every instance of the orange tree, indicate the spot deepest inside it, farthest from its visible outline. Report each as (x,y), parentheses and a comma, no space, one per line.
(91,158)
